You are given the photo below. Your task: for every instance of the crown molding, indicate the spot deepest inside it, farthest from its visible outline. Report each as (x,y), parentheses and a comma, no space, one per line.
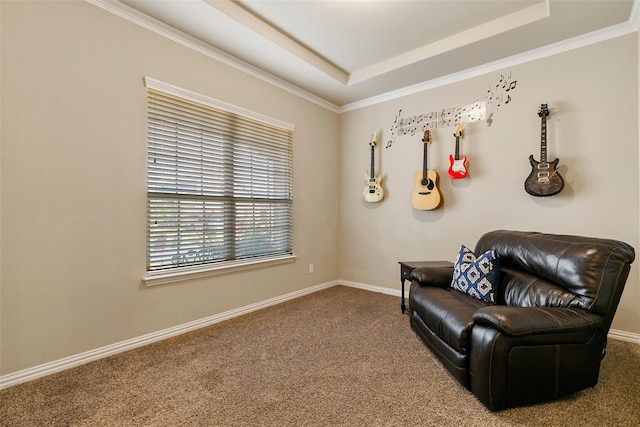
(630,26)
(483,31)
(269,32)
(158,27)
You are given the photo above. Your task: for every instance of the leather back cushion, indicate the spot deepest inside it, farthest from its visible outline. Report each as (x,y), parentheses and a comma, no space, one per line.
(522,289)
(558,270)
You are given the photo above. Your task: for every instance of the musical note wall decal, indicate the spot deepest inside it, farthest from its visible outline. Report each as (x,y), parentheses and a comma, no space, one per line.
(465,114)
(497,96)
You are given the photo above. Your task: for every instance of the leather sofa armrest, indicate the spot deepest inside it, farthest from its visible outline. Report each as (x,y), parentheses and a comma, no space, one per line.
(433,276)
(523,321)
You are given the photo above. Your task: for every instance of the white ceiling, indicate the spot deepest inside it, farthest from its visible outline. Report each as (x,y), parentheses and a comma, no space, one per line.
(345,52)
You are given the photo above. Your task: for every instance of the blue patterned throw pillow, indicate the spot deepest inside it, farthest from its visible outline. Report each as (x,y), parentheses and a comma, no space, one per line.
(477,276)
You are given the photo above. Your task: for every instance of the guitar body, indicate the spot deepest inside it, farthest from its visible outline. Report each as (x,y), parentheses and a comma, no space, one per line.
(544,180)
(426,194)
(373,191)
(457,168)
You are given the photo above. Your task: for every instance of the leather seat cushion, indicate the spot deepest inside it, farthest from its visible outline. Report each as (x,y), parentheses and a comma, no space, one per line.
(446,312)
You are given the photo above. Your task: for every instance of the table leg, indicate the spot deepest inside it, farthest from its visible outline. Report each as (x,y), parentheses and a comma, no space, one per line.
(403,307)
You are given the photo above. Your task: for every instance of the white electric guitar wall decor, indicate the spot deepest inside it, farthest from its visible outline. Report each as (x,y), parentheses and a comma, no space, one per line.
(373,191)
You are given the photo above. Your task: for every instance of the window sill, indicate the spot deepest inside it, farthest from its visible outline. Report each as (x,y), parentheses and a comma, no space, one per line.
(188,273)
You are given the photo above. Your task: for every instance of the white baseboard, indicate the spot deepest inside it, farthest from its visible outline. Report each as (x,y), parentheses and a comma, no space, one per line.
(624,336)
(371,288)
(99,353)
(109,350)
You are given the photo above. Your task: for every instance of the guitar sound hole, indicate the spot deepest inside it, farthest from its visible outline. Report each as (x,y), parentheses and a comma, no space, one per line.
(426,182)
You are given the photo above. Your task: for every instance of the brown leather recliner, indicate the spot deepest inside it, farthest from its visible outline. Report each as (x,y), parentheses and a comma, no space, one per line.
(547,332)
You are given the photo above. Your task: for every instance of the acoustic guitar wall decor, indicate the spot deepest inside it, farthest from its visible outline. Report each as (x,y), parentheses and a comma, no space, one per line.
(426,194)
(373,191)
(544,179)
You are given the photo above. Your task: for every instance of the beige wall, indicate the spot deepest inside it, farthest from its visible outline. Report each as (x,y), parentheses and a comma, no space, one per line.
(593,128)
(73,176)
(74,183)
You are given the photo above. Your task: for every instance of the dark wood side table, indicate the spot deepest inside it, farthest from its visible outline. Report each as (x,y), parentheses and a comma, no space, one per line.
(406,267)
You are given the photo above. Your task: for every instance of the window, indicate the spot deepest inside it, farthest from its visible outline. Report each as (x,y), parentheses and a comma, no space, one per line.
(219,183)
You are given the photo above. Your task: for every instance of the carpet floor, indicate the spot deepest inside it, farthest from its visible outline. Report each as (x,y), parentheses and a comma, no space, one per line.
(338,357)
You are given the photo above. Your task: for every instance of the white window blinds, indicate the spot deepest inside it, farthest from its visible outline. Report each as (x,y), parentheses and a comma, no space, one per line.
(219,185)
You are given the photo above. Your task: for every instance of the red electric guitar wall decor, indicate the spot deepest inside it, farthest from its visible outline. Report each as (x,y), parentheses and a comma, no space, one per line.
(544,179)
(458,165)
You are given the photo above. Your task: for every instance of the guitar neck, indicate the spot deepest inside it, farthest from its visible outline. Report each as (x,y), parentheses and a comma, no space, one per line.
(372,155)
(424,161)
(458,135)
(543,140)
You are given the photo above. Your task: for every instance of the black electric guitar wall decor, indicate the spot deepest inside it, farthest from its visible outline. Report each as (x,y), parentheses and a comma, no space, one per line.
(373,191)
(544,179)
(426,194)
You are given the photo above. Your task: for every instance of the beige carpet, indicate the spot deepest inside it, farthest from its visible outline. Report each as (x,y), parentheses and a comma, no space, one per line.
(339,357)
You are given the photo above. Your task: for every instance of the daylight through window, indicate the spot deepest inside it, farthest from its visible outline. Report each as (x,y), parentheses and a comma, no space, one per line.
(219,184)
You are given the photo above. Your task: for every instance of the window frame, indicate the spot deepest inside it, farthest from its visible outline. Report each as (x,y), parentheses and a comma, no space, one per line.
(180,273)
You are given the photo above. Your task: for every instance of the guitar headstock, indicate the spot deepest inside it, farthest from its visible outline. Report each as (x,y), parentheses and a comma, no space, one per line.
(458,132)
(544,111)
(373,141)
(426,138)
